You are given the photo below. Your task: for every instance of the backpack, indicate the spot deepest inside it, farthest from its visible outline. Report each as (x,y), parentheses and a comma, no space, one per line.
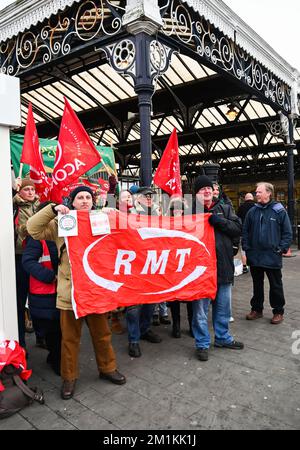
(16,394)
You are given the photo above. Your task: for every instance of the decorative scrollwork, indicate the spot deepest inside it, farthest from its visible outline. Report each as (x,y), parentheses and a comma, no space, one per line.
(185,25)
(122,57)
(160,56)
(278,128)
(58,36)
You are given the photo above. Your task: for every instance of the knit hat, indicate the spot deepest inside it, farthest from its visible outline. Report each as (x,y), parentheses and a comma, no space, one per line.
(133,189)
(201,182)
(78,189)
(26,182)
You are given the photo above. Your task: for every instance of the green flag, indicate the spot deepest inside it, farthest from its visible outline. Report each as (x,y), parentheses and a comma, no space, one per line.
(48,149)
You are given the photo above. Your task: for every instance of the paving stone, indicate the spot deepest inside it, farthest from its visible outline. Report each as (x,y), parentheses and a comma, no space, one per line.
(168,388)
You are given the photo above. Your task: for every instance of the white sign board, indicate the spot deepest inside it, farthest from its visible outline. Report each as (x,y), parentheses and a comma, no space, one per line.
(10,115)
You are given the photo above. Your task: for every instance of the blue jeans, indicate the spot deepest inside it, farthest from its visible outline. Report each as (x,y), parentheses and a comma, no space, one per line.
(161,309)
(139,320)
(220,318)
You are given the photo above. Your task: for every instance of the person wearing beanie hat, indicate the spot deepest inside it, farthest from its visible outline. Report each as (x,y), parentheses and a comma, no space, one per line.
(83,201)
(202,181)
(227,228)
(25,203)
(43,225)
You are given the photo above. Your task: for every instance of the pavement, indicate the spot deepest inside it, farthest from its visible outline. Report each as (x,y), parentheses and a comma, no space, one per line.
(169,389)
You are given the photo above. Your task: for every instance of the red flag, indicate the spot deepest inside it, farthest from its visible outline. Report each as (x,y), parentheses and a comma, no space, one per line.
(31,155)
(170,258)
(167,175)
(75,155)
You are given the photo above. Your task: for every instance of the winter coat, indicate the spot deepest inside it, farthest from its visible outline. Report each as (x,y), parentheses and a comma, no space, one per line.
(267,233)
(43,225)
(144,211)
(227,234)
(42,306)
(23,209)
(244,208)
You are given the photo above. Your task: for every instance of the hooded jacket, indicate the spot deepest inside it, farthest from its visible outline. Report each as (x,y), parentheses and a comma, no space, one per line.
(267,234)
(24,209)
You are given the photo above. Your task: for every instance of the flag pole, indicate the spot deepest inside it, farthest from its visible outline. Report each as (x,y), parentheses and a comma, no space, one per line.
(20,170)
(18,185)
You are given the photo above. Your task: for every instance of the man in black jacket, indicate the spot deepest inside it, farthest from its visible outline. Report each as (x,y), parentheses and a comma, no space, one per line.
(227,228)
(267,235)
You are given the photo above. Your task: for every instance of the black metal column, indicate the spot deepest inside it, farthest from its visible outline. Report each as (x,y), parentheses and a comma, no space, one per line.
(291,183)
(291,176)
(144,89)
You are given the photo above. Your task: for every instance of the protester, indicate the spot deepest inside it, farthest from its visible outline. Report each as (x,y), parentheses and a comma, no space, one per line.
(40,261)
(139,317)
(227,227)
(219,195)
(43,225)
(267,235)
(241,213)
(176,209)
(25,204)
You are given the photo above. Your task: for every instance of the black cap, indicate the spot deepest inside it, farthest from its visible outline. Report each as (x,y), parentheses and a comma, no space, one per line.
(78,189)
(201,182)
(144,190)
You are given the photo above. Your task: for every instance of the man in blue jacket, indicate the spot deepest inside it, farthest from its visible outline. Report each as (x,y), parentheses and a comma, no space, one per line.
(267,235)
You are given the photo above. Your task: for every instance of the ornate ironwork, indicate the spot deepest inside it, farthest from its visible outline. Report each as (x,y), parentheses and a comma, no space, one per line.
(122,57)
(198,35)
(80,24)
(278,128)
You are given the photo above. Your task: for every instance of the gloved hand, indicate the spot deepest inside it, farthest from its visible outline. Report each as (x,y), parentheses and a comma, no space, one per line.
(214,220)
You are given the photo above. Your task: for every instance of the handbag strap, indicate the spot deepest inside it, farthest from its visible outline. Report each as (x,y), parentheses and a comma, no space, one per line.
(37,396)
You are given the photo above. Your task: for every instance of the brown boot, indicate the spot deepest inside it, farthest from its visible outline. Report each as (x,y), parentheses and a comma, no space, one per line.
(253,315)
(68,389)
(277,319)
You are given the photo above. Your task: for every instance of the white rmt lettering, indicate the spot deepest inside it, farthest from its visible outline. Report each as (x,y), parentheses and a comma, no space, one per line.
(67,170)
(152,260)
(182,253)
(121,260)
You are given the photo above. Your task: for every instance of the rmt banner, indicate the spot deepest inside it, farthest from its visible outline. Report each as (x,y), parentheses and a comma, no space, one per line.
(145,259)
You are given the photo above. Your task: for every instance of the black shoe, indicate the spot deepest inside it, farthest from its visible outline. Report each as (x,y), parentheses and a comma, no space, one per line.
(151,337)
(155,320)
(40,342)
(134,350)
(234,345)
(176,333)
(114,377)
(164,320)
(202,354)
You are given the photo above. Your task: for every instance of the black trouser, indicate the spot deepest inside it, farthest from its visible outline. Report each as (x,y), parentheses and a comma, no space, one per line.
(22,280)
(276,295)
(175,312)
(51,330)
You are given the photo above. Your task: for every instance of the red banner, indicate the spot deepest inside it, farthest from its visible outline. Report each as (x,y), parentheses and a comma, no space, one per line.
(31,155)
(76,153)
(174,258)
(167,175)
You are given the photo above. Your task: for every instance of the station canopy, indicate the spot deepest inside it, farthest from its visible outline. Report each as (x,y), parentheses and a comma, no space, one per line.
(218,117)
